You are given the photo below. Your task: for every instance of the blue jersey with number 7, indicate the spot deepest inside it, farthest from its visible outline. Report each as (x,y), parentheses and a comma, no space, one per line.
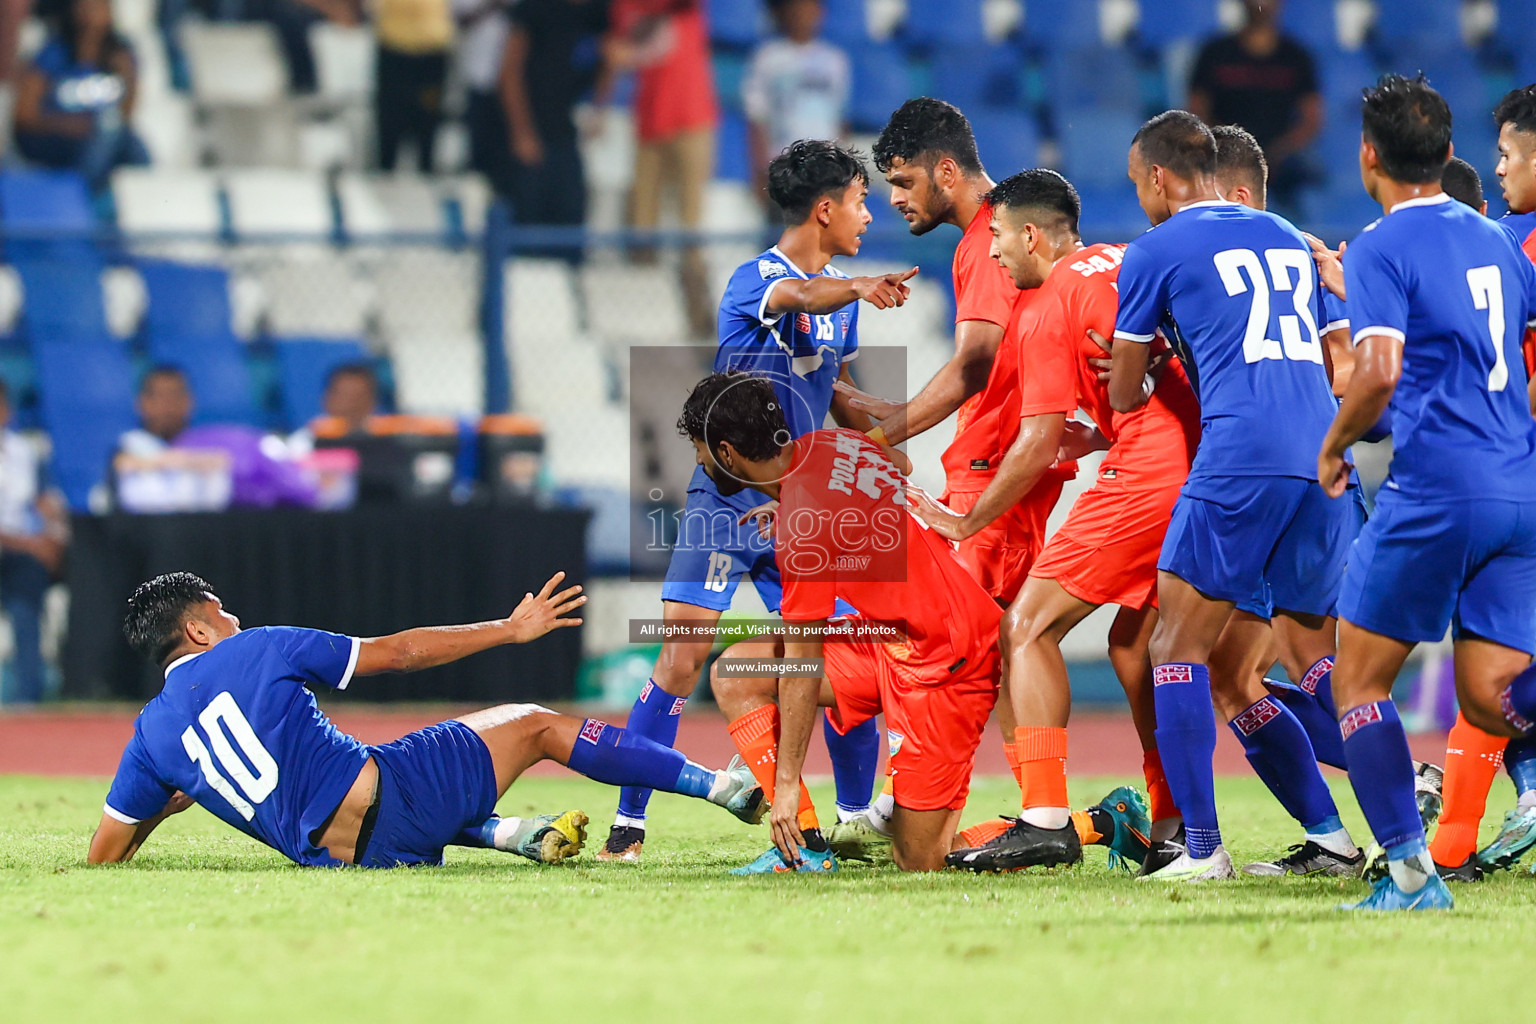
(1457,291)
(1236,292)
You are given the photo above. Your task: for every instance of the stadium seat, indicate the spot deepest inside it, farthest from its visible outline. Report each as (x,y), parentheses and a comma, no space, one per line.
(1009,140)
(845,23)
(587,446)
(165,123)
(46,214)
(234,64)
(974,77)
(736,23)
(439,373)
(1342,74)
(420,290)
(633,304)
(188,324)
(375,205)
(882,81)
(313,294)
(1094,146)
(62,299)
(152,200)
(302,367)
(123,299)
(539,298)
(732,148)
(556,378)
(217,374)
(85,395)
(11,296)
(940,22)
(1111,213)
(270,201)
(344,61)
(1428,23)
(1051,24)
(470,197)
(1099,78)
(1313,23)
(1177,21)
(186,300)
(730,69)
(1517,25)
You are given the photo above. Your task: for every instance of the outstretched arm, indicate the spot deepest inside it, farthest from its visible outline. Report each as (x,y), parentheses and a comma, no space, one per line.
(116,841)
(797,720)
(429,646)
(823,294)
(965,374)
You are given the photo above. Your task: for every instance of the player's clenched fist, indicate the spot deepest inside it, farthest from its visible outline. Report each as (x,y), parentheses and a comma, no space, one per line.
(537,614)
(885,291)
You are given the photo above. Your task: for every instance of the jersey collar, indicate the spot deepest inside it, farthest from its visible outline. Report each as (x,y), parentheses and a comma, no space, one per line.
(1434,200)
(788,262)
(181,661)
(1206,202)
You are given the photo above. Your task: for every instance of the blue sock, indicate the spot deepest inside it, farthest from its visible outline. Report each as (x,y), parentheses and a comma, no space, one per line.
(855,757)
(1186,740)
(1326,827)
(1317,682)
(1381,771)
(1520,762)
(481,836)
(1278,749)
(616,756)
(654,716)
(1319,722)
(1518,701)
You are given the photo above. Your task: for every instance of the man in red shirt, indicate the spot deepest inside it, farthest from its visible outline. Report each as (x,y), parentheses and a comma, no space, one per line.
(843,530)
(1106,552)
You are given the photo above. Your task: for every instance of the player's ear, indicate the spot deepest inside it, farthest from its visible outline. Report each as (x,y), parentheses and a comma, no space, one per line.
(822,211)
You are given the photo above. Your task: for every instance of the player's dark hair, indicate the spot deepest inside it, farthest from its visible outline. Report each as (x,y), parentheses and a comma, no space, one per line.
(1039,192)
(1462,183)
(808,170)
(1179,142)
(739,408)
(161,370)
(157,611)
(1240,158)
(925,130)
(356,368)
(1410,126)
(1518,107)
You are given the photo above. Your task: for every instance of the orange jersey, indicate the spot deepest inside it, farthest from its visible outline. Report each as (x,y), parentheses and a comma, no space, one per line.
(1151,446)
(987,421)
(844,531)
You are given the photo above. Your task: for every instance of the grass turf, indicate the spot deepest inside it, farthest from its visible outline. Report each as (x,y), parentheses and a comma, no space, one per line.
(206,925)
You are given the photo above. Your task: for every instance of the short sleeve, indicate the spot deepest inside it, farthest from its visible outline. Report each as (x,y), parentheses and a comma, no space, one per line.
(747,294)
(983,289)
(1378,298)
(851,342)
(137,792)
(1047,356)
(1143,294)
(1335,315)
(316,656)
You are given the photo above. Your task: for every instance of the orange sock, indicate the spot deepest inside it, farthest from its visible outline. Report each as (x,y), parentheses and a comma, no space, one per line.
(1472,759)
(889,788)
(756,735)
(983,833)
(1159,796)
(1011,754)
(1042,765)
(1086,833)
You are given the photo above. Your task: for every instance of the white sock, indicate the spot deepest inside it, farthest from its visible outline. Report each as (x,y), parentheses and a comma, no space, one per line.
(1047,817)
(1411,873)
(718,789)
(1527,800)
(624,821)
(1337,841)
(843,814)
(879,813)
(509,832)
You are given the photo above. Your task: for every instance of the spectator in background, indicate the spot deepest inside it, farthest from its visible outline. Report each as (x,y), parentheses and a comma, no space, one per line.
(667,43)
(350,400)
(415,37)
(164,406)
(74,99)
(552,59)
(796,86)
(34,531)
(1264,80)
(482,27)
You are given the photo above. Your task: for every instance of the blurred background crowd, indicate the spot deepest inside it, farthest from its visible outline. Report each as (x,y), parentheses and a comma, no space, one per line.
(337,253)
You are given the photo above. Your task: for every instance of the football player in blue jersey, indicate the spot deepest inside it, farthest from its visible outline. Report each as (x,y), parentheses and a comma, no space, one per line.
(1439,298)
(235,729)
(1236,292)
(790,315)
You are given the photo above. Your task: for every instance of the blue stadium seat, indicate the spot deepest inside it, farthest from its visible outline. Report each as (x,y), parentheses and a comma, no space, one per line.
(1174,21)
(1049,24)
(1342,74)
(736,23)
(1517,27)
(882,81)
(302,366)
(185,299)
(1009,140)
(85,393)
(1314,24)
(39,204)
(1426,22)
(732,148)
(187,324)
(843,22)
(1094,144)
(62,297)
(937,22)
(1111,213)
(974,77)
(1093,77)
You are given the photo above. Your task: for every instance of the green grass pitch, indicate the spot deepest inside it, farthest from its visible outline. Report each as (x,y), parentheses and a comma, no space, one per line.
(207,925)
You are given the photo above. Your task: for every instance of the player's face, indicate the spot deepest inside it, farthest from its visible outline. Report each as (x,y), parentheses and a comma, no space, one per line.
(216,623)
(1012,240)
(726,482)
(848,219)
(916,196)
(1153,203)
(1517,168)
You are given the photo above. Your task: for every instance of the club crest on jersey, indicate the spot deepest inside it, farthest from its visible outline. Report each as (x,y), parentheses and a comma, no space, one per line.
(893,740)
(1172,674)
(1249,721)
(803,323)
(592,730)
(771,268)
(845,318)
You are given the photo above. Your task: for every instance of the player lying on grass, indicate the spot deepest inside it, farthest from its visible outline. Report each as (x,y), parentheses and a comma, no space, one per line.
(235,730)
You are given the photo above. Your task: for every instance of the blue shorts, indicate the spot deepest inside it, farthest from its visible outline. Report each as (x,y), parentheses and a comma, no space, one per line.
(1421,566)
(1276,531)
(1262,603)
(713,551)
(433,784)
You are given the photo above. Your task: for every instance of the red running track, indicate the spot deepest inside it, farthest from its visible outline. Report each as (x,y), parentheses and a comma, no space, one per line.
(88,741)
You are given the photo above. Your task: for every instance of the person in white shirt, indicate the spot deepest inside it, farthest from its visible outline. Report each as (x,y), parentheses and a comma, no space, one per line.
(796,86)
(34,532)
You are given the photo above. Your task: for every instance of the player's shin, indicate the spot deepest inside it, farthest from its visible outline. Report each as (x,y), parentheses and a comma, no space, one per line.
(855,759)
(1520,761)
(1163,811)
(1281,755)
(756,735)
(1186,741)
(1472,759)
(1320,723)
(1381,772)
(1043,763)
(655,716)
(606,753)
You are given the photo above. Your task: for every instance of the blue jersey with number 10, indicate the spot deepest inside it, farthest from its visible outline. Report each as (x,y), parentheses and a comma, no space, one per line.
(1457,291)
(1236,291)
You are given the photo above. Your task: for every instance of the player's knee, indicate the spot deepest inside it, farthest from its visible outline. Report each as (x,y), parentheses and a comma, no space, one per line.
(927,857)
(1027,625)
(677,672)
(532,716)
(1488,718)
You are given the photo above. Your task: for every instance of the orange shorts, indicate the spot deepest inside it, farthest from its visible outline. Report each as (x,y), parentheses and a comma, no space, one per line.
(1000,556)
(933,727)
(1106,552)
